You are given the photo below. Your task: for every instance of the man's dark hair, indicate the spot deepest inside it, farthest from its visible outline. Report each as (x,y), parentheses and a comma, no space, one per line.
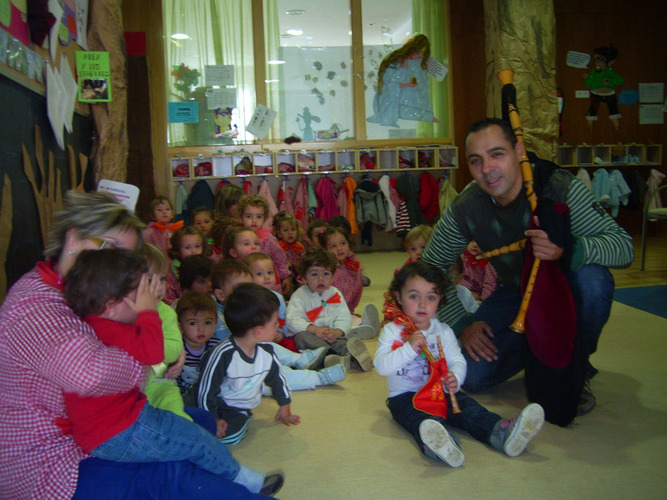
(488,122)
(248,306)
(99,276)
(193,267)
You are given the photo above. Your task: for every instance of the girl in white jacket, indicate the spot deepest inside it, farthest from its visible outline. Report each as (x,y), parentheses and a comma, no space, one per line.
(412,301)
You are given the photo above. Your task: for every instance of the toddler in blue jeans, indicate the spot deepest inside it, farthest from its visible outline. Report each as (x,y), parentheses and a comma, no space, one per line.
(110,290)
(413,299)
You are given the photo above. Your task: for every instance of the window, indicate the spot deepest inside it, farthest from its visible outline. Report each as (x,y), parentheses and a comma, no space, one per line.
(321,81)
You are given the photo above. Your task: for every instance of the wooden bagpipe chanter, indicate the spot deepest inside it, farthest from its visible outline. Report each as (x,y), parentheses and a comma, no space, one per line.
(553,358)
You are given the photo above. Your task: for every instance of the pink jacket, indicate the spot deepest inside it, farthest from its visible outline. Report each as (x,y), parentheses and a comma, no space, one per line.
(301,204)
(265,192)
(325,190)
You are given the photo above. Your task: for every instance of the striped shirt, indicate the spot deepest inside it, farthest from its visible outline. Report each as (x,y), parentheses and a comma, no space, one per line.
(473,215)
(229,376)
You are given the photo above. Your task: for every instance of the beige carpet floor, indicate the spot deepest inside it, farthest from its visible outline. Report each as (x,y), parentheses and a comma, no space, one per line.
(347,445)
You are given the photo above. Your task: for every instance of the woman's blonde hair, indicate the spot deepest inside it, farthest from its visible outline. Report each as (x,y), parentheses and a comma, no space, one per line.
(91,215)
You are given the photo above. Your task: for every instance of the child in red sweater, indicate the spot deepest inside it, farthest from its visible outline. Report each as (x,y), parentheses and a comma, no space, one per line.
(110,290)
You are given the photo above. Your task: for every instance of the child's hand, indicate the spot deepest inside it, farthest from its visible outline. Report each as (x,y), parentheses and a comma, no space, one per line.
(176,367)
(148,294)
(279,336)
(285,416)
(451,384)
(286,285)
(333,335)
(417,340)
(221,428)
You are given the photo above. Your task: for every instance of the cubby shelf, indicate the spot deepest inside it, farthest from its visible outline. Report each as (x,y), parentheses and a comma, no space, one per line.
(609,155)
(255,161)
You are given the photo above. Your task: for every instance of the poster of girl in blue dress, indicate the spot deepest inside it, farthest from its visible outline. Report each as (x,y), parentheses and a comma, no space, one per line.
(403,85)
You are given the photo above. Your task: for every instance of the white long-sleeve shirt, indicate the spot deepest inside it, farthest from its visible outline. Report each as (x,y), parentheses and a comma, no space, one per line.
(334,316)
(407,371)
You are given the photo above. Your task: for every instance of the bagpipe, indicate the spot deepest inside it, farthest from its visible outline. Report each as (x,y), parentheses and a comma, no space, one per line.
(547,315)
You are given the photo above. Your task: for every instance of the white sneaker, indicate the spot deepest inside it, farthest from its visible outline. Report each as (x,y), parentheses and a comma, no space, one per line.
(521,429)
(311,359)
(363,332)
(371,317)
(332,375)
(437,440)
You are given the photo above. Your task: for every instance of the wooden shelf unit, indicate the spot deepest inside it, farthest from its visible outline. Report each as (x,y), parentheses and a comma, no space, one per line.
(609,155)
(262,160)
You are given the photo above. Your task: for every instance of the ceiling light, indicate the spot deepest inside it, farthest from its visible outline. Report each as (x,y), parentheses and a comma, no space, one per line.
(275,61)
(180,36)
(295,12)
(295,32)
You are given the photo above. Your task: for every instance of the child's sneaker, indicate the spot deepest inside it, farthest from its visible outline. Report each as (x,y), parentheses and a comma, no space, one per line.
(272,484)
(311,359)
(514,434)
(360,353)
(332,375)
(335,359)
(439,444)
(371,317)
(362,332)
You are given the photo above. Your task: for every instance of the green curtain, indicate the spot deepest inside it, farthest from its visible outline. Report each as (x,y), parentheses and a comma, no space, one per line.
(428,18)
(220,32)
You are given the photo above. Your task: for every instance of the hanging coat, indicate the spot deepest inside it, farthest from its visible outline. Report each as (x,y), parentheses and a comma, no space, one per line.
(181,198)
(285,195)
(341,200)
(408,187)
(265,192)
(428,196)
(391,208)
(350,185)
(301,204)
(312,198)
(370,203)
(325,190)
(447,194)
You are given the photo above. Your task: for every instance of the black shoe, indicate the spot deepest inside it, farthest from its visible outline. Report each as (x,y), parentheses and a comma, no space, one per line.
(272,484)
(586,400)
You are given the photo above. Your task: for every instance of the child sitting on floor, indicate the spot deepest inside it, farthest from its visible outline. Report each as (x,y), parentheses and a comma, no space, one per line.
(415,242)
(288,231)
(161,389)
(299,367)
(349,280)
(254,210)
(414,296)
(313,231)
(184,242)
(195,274)
(202,218)
(221,228)
(196,314)
(162,225)
(263,273)
(109,289)
(317,315)
(474,276)
(232,373)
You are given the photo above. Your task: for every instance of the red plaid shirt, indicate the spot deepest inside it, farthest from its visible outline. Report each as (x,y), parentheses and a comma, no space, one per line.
(45,349)
(349,282)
